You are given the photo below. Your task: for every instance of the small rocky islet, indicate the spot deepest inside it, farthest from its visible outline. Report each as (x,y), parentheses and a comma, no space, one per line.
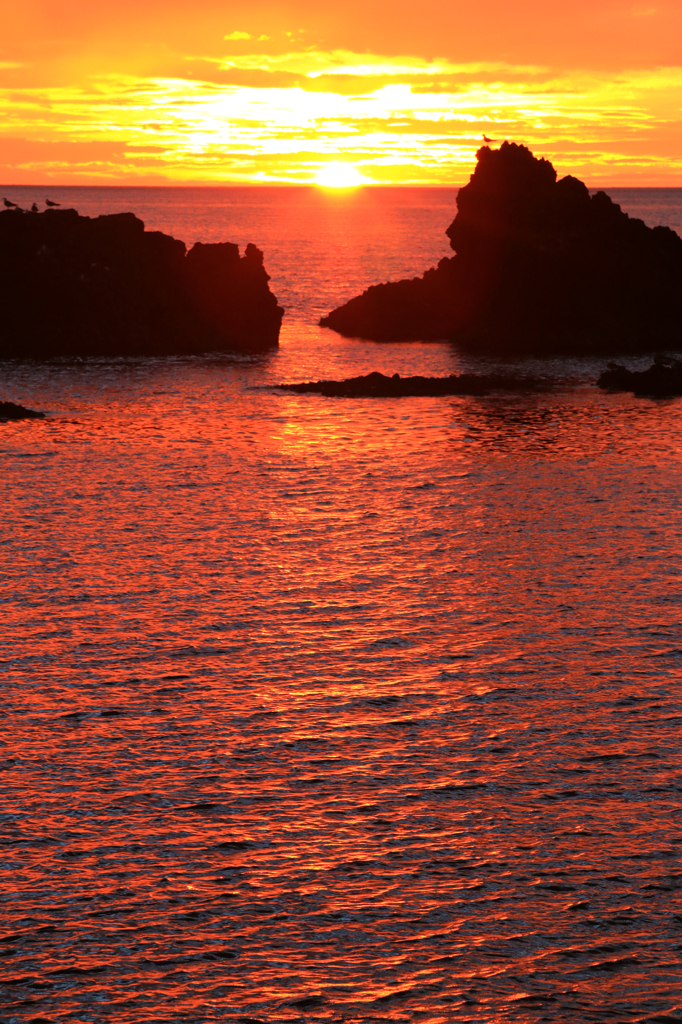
(76,286)
(541,268)
(378,385)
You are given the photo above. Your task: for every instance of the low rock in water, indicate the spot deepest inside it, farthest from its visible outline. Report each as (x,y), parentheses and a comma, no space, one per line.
(377,385)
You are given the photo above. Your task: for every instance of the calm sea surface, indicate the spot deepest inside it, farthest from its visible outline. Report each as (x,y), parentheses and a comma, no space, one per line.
(337,710)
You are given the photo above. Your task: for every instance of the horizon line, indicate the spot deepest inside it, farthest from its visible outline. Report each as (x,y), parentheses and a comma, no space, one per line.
(289,184)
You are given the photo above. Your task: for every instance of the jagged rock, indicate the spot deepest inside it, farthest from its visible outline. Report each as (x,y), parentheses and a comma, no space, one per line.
(662,379)
(103,286)
(377,385)
(10,411)
(541,268)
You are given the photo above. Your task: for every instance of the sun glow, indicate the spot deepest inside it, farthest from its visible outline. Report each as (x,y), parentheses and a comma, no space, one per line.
(258,110)
(338,175)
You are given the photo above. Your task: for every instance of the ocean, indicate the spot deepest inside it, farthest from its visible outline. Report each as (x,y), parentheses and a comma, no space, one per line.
(336,710)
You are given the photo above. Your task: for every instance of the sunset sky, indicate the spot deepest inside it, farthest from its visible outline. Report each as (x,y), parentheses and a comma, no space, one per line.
(152,92)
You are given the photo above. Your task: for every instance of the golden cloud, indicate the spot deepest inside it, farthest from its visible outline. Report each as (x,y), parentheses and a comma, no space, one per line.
(279,117)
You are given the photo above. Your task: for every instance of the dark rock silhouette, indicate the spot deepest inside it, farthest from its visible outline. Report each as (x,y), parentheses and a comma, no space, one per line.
(103,286)
(541,268)
(663,379)
(10,411)
(376,385)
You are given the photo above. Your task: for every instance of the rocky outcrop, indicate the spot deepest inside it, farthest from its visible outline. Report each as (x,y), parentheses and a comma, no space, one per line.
(376,385)
(663,379)
(103,286)
(10,411)
(541,268)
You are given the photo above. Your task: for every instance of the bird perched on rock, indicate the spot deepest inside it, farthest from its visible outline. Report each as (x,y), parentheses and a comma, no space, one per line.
(10,205)
(487,140)
(34,208)
(48,202)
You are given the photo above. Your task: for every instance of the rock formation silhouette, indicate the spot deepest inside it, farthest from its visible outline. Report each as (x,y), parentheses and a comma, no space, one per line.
(103,286)
(541,268)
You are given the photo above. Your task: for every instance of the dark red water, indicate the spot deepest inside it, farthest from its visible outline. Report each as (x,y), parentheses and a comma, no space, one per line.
(321,710)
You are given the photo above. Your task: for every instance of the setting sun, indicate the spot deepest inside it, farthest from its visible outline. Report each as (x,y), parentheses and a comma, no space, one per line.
(338,175)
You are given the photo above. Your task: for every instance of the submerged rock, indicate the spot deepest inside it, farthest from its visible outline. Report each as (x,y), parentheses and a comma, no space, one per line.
(376,385)
(662,379)
(103,286)
(541,268)
(10,411)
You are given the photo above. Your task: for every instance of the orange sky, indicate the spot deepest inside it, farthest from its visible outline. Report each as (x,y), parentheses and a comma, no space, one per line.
(154,91)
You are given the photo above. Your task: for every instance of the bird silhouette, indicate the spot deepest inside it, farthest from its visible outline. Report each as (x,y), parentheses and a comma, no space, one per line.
(10,205)
(48,202)
(34,208)
(487,140)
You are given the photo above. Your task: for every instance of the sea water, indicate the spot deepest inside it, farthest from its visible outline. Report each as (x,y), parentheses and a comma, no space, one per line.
(336,710)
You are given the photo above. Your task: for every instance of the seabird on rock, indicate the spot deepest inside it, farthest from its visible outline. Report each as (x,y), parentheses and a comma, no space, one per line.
(48,202)
(34,208)
(10,205)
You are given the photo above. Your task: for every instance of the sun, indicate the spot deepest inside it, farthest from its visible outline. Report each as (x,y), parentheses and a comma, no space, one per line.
(338,175)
